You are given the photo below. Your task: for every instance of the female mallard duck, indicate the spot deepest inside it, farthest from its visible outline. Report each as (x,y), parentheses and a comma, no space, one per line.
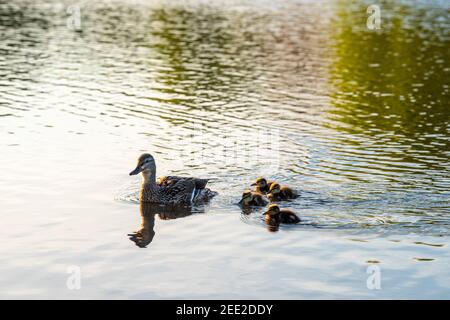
(250,198)
(171,190)
(277,193)
(275,215)
(261,185)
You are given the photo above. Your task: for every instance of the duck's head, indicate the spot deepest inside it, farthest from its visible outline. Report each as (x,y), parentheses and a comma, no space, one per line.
(274,188)
(146,165)
(260,182)
(246,197)
(272,210)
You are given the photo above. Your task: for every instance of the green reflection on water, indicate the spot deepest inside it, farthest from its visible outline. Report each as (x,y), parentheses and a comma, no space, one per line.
(204,53)
(393,84)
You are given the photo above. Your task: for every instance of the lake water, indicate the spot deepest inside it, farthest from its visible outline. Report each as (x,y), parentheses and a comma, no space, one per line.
(303,92)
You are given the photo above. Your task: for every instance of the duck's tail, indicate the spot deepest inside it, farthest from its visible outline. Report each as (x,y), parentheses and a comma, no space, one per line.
(203,195)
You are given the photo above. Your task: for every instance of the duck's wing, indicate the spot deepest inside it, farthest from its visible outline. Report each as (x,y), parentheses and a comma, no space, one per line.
(171,180)
(178,191)
(289,217)
(260,201)
(288,193)
(164,181)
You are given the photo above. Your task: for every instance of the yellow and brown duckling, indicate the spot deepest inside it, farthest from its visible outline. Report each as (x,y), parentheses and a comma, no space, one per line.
(262,185)
(277,193)
(275,215)
(251,198)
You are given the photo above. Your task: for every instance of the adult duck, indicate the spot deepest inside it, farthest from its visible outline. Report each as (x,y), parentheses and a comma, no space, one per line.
(170,190)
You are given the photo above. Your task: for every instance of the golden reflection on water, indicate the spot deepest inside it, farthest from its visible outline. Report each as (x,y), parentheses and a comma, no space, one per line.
(392,86)
(144,236)
(359,116)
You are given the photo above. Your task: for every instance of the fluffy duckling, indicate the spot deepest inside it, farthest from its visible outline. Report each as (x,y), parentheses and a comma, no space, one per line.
(277,193)
(275,215)
(250,198)
(262,185)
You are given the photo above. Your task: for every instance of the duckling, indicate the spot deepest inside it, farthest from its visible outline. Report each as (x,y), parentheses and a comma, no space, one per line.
(272,219)
(275,215)
(261,185)
(277,193)
(250,198)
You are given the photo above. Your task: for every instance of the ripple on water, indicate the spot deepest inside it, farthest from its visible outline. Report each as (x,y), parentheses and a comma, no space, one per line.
(203,87)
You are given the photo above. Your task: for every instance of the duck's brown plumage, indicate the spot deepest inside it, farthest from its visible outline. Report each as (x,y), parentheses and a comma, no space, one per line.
(170,190)
(170,180)
(275,215)
(262,185)
(252,198)
(278,193)
(288,217)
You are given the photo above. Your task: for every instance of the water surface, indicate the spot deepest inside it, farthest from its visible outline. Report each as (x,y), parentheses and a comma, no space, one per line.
(298,91)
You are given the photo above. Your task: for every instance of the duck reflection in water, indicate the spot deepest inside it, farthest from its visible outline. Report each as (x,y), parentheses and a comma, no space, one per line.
(144,236)
(272,224)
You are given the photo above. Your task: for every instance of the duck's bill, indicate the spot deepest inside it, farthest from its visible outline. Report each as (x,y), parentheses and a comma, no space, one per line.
(135,171)
(241,202)
(253,184)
